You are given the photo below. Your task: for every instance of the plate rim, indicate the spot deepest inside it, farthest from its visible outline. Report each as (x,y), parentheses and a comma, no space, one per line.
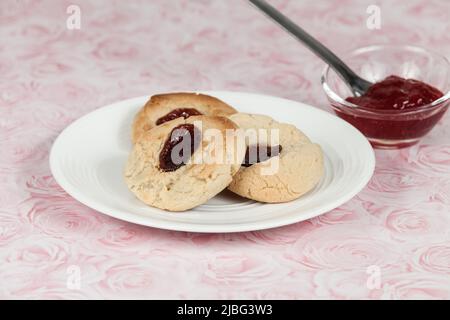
(201,227)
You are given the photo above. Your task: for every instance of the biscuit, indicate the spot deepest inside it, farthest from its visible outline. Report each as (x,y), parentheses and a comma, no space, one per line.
(296,170)
(181,188)
(159,106)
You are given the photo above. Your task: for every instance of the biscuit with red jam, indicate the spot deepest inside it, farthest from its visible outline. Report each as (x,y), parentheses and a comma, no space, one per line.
(162,174)
(162,108)
(276,170)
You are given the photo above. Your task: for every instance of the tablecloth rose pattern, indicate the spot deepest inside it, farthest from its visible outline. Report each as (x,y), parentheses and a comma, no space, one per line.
(392,241)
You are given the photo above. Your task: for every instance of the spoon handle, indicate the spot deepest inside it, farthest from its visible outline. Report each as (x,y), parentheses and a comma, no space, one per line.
(357,84)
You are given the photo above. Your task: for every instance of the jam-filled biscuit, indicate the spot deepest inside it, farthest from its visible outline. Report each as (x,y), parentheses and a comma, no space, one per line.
(163,174)
(281,165)
(165,107)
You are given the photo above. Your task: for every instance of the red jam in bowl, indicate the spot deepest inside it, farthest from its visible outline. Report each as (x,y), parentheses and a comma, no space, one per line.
(395,93)
(385,112)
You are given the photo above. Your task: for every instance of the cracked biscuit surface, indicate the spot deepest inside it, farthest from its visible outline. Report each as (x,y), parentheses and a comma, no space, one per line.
(162,104)
(295,171)
(191,184)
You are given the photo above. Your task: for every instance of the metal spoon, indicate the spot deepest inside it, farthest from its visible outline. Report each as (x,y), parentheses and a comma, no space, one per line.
(357,85)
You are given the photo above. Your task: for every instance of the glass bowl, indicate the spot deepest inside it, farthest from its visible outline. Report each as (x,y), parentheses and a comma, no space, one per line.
(390,129)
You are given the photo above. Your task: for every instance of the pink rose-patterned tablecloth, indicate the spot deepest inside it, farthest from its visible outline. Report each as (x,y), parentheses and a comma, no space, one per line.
(391,241)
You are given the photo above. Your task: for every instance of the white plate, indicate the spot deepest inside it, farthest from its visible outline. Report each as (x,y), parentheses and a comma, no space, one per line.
(89,156)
